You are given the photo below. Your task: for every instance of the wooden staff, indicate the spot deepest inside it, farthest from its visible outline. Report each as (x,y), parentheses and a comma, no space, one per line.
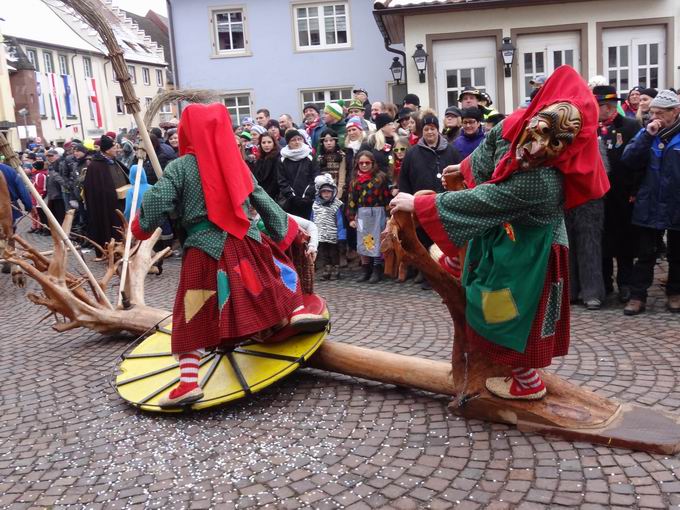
(12,159)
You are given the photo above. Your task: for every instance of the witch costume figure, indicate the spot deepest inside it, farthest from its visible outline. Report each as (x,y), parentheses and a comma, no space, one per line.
(530,167)
(235,282)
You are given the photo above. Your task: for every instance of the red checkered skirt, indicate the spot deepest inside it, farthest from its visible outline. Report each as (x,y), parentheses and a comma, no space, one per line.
(549,335)
(251,288)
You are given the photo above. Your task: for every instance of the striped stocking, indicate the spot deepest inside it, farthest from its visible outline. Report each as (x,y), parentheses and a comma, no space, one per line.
(527,378)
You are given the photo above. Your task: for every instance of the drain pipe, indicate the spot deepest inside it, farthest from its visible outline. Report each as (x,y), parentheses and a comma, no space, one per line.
(386,40)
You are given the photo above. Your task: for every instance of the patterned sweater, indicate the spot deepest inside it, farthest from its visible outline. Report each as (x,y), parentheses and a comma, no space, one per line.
(374,192)
(179,192)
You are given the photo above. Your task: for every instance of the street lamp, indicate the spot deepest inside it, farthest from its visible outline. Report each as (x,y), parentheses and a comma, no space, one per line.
(508,53)
(420,59)
(397,69)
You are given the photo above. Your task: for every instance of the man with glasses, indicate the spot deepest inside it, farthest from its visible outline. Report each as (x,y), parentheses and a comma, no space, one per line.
(472,133)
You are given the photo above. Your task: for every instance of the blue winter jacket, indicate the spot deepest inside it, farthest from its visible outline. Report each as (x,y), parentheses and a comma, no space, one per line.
(17,190)
(657,204)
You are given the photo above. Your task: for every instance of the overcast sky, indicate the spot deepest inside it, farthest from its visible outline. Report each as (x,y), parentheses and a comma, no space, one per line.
(142,6)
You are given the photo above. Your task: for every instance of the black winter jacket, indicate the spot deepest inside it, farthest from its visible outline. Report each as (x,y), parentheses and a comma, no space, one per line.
(422,167)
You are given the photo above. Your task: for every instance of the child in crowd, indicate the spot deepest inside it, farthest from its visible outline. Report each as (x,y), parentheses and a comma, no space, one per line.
(327,215)
(38,217)
(369,196)
(332,159)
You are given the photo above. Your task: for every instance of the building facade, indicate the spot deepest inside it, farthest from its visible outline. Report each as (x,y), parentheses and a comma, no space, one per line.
(76,92)
(629,42)
(279,54)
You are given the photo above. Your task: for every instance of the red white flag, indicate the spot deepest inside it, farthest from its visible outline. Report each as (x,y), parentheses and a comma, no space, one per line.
(94,102)
(54,97)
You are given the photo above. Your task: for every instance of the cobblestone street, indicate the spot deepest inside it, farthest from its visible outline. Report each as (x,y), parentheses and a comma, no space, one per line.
(319,440)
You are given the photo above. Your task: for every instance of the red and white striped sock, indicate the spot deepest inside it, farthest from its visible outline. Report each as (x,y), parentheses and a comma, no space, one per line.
(188,368)
(527,378)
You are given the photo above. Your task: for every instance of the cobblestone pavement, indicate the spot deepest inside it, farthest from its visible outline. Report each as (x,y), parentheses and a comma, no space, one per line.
(319,440)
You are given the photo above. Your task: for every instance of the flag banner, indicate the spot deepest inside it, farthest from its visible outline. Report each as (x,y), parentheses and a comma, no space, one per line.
(54,96)
(95,110)
(40,91)
(69,96)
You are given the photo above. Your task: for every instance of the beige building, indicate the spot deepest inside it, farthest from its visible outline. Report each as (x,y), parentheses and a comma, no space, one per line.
(7,118)
(629,42)
(76,91)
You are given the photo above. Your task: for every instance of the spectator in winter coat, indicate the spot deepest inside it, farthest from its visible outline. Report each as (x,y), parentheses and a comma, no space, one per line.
(333,117)
(362,96)
(452,123)
(165,154)
(296,176)
(646,98)
(267,165)
(657,204)
(313,123)
(381,143)
(472,134)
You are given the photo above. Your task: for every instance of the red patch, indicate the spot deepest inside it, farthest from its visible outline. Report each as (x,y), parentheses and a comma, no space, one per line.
(249,278)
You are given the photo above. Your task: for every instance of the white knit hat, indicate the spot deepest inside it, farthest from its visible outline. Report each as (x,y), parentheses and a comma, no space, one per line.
(665,99)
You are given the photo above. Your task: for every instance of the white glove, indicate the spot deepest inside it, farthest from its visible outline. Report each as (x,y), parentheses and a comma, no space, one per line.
(74,204)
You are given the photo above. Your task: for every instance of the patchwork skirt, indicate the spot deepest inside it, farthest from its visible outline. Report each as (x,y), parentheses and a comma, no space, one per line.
(252,287)
(549,335)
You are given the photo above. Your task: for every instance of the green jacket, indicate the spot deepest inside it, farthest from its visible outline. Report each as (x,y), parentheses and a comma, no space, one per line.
(179,193)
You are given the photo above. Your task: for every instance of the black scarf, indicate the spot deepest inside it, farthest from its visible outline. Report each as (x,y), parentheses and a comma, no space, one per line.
(666,135)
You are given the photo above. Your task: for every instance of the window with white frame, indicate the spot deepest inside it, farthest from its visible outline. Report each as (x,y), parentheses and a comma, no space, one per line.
(165,112)
(147,102)
(32,56)
(132,71)
(63,64)
(49,63)
(239,106)
(322,96)
(322,26)
(146,76)
(87,67)
(120,105)
(229,31)
(634,56)
(159,77)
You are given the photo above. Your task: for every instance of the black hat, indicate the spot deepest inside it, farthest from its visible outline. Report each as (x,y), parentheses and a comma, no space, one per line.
(411,99)
(486,97)
(430,119)
(105,143)
(404,114)
(649,92)
(471,113)
(382,120)
(470,90)
(360,90)
(291,133)
(605,94)
(453,110)
(312,106)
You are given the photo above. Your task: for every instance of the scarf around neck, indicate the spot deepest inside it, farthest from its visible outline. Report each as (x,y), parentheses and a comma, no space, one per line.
(296,154)
(667,134)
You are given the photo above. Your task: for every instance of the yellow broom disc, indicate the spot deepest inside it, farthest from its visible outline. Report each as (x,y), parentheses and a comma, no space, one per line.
(149,371)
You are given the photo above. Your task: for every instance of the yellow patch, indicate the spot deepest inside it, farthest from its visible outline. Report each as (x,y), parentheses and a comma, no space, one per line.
(194,301)
(369,242)
(498,306)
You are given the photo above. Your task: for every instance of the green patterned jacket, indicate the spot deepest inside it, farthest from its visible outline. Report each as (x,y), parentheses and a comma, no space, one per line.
(179,193)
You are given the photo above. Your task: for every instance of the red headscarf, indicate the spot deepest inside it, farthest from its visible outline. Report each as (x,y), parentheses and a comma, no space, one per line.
(585,178)
(205,131)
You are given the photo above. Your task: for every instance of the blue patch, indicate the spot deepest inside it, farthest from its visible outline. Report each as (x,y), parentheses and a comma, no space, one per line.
(288,275)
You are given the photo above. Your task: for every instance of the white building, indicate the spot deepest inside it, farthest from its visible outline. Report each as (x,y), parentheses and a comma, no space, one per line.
(77,93)
(628,41)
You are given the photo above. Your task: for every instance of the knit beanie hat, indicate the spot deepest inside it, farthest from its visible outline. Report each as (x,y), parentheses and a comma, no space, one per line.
(665,99)
(431,119)
(105,143)
(111,134)
(324,181)
(334,110)
(246,135)
(290,134)
(382,120)
(312,106)
(354,122)
(472,113)
(649,92)
(258,129)
(411,99)
(247,120)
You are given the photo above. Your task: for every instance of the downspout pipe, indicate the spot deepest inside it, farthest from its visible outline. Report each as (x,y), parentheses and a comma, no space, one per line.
(386,40)
(80,113)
